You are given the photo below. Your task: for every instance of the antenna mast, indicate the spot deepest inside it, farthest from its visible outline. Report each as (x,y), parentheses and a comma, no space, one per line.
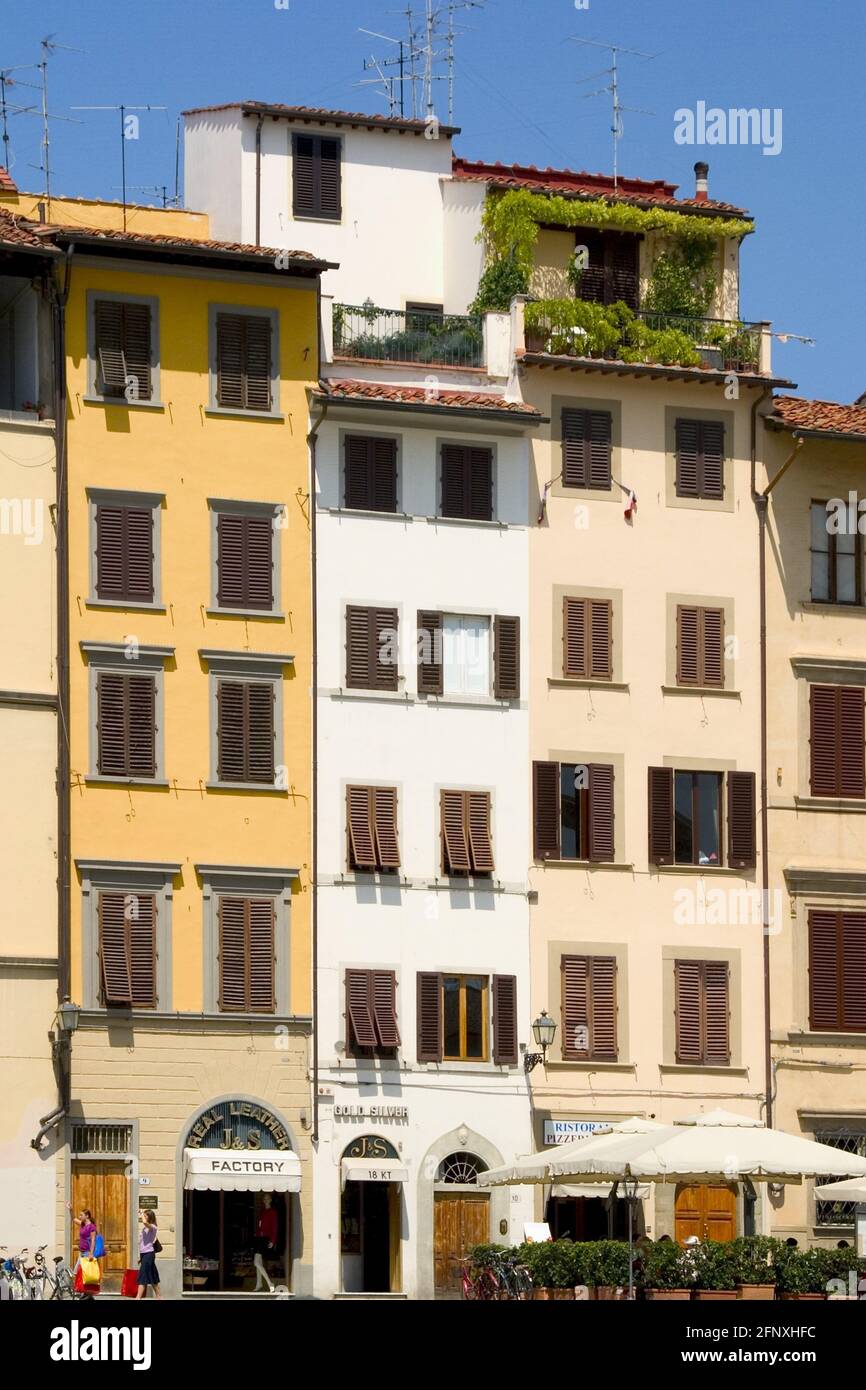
(613,89)
(123,137)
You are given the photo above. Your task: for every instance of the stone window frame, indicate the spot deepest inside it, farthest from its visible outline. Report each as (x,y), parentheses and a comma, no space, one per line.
(148,660)
(615,598)
(617,762)
(218,506)
(238,412)
(245,882)
(129,877)
(734,957)
(93,395)
(258,668)
(365,431)
(702,504)
(619,950)
(672,603)
(126,497)
(612,406)
(820,670)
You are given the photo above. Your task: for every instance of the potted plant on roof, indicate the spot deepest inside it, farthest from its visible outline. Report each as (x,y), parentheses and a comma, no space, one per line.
(801,1274)
(755,1271)
(665,1275)
(715,1271)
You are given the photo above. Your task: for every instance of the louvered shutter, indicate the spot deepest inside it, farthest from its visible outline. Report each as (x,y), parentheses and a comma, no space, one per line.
(140,694)
(108,316)
(244,561)
(601,813)
(506,658)
(599,449)
(243,351)
(370,479)
(741,820)
(478,822)
(505,1020)
(429,1016)
(836,719)
(259,589)
(114,958)
(231,762)
(480,501)
(259,731)
(853,941)
(716,1010)
(124,553)
(329,178)
(123,348)
(825,1012)
(141,934)
(590,287)
(231,586)
(232,955)
(661,815)
(383,657)
(303,176)
(257,361)
(622,268)
(576,1034)
(545,810)
(385,826)
(602,1011)
(712,436)
(688,991)
(384,994)
(574,637)
(260,948)
(455,471)
(467,482)
(688,658)
(852,741)
(125,723)
(600,639)
(688,447)
(586,448)
(138,554)
(454,833)
(137,350)
(430,669)
(574,459)
(362,853)
(111,724)
(359,669)
(230,361)
(712,647)
(587,638)
(359,1007)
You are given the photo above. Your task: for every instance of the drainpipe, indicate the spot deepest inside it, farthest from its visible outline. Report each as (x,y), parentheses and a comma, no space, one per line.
(314,785)
(259,123)
(761,500)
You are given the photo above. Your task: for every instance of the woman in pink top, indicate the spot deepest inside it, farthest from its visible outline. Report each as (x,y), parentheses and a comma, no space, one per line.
(86,1234)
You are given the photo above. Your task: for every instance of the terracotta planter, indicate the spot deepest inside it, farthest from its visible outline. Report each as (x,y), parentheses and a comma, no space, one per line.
(667,1295)
(714,1295)
(804,1297)
(763,1292)
(542,1293)
(610,1293)
(562,1293)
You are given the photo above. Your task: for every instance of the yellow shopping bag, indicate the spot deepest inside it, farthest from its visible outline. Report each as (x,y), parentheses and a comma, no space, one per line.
(89,1270)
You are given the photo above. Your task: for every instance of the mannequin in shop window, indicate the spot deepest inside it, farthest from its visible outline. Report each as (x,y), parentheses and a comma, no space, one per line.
(265,1244)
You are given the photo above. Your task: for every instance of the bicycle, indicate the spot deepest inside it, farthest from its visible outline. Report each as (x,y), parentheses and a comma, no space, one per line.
(477,1285)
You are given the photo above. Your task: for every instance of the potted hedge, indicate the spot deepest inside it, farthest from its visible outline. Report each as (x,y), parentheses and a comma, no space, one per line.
(715,1271)
(607,1269)
(754,1267)
(845,1273)
(552,1266)
(664,1272)
(801,1274)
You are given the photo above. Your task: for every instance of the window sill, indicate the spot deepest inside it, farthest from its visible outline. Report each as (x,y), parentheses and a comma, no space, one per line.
(264,787)
(818,1039)
(245,613)
(710,1068)
(825,606)
(713,869)
(584,683)
(125,605)
(857,805)
(312,217)
(371,512)
(713,690)
(470,701)
(587,1064)
(238,414)
(26,417)
(592,864)
(343,692)
(123,403)
(98,779)
(490,524)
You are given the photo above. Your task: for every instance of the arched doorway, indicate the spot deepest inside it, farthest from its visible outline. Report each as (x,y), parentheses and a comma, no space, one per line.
(371,1181)
(705,1210)
(461,1218)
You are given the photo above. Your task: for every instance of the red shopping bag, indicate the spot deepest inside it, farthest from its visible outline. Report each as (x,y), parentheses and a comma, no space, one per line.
(81,1287)
(129,1283)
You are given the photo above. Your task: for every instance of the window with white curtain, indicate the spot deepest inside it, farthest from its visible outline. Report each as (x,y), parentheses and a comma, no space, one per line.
(466,655)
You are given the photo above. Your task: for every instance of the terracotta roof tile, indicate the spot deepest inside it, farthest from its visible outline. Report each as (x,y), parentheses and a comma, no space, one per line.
(828,417)
(21,231)
(579,184)
(325,115)
(7,183)
(182,243)
(344,390)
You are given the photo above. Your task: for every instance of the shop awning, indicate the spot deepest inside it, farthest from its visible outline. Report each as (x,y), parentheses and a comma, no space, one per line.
(374,1170)
(597,1189)
(245,1170)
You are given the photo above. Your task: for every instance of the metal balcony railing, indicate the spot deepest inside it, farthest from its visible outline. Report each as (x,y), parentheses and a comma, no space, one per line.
(727,345)
(423,336)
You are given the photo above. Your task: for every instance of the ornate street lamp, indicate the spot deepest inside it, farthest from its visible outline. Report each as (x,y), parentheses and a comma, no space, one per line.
(543,1031)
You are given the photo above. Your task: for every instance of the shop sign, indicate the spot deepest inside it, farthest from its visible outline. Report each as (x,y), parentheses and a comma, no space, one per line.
(378,1114)
(370,1146)
(238,1124)
(570,1131)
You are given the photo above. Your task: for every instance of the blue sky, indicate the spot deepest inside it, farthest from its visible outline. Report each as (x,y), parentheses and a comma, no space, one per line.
(517,99)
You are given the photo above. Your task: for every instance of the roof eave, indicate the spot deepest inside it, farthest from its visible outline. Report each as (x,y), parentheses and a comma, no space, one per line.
(311,117)
(509,417)
(633,200)
(207,254)
(840,436)
(647,369)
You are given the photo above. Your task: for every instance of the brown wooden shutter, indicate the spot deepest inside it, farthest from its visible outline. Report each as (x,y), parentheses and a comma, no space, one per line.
(385,827)
(589,1007)
(601,639)
(621,256)
(329,178)
(467,482)
(260,948)
(257,364)
(574,637)
(717,1047)
(601,812)
(125,722)
(141,931)
(370,479)
(230,731)
(244,561)
(230,361)
(837,740)
(505,1020)
(688,645)
(123,348)
(661,815)
(700,461)
(853,932)
(688,449)
(359,1007)
(574,971)
(712,647)
(316,177)
(741,820)
(506,658)
(243,353)
(362,853)
(124,553)
(688,990)
(303,176)
(455,838)
(477,812)
(232,956)
(114,959)
(712,434)
(429,1017)
(108,317)
(545,810)
(431,678)
(259,740)
(384,998)
(602,981)
(371,639)
(837,971)
(586,448)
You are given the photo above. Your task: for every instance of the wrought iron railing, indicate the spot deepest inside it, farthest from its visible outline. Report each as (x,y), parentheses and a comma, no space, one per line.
(727,345)
(423,336)
(838,1213)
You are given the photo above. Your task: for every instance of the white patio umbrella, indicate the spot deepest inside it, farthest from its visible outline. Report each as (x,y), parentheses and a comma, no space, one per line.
(535,1168)
(849,1190)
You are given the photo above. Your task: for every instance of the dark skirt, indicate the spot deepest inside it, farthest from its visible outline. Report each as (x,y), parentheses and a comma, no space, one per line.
(147,1270)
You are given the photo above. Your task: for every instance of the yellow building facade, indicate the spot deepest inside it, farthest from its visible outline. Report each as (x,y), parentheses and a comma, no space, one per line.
(189,647)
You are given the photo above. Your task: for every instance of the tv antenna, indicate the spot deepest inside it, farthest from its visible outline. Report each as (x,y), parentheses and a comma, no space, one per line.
(47,47)
(8,108)
(612,88)
(391,85)
(124,117)
(430,43)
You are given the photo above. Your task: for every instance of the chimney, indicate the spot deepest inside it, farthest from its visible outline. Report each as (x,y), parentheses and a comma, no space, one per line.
(701,184)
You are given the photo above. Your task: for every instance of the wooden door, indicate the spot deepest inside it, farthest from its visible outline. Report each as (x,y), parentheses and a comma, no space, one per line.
(103,1187)
(459,1223)
(706,1210)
